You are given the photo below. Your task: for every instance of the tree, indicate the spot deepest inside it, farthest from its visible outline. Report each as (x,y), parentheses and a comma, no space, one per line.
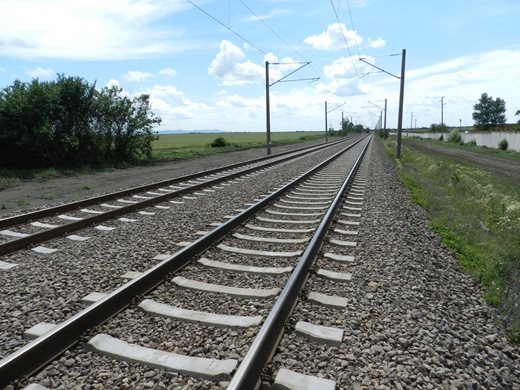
(489,112)
(517,113)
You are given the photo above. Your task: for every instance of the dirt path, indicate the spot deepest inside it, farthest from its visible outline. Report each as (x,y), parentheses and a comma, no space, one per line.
(507,168)
(33,195)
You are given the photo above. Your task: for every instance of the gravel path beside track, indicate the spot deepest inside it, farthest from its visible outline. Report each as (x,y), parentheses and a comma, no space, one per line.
(31,195)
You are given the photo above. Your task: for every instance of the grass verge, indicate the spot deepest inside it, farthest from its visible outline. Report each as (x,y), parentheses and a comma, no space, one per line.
(507,154)
(478,217)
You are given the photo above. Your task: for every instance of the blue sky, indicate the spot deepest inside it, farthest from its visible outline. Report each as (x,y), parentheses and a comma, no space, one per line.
(201,75)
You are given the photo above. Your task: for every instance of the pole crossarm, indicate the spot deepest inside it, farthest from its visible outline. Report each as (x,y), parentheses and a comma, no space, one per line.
(288,81)
(332,109)
(294,71)
(375,105)
(377,67)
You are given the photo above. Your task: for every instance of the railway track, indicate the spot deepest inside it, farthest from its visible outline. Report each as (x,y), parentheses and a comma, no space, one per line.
(289,231)
(21,231)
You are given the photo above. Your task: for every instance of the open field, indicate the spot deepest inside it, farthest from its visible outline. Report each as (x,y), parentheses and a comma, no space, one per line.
(175,146)
(477,213)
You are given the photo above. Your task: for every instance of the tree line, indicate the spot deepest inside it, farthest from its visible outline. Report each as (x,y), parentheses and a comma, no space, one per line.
(68,122)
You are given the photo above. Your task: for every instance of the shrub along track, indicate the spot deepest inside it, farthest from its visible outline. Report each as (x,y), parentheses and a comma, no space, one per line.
(324,180)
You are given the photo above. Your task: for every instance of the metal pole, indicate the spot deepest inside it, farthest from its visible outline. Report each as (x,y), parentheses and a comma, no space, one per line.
(267,109)
(385,114)
(326,124)
(401,100)
(411,120)
(442,113)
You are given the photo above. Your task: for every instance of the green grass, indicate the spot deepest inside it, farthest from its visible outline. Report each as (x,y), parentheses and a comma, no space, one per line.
(507,154)
(180,146)
(478,217)
(168,147)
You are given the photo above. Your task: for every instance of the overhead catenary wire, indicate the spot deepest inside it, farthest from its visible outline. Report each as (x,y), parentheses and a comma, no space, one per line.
(344,37)
(275,33)
(227,27)
(351,23)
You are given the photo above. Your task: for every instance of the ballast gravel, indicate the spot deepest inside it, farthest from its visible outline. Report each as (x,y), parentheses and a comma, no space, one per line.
(414,319)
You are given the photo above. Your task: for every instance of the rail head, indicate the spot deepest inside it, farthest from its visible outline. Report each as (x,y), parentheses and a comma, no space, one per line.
(248,374)
(44,349)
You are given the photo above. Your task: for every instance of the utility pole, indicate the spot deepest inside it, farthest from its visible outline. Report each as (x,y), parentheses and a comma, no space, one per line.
(411,120)
(267,109)
(326,119)
(401,101)
(385,116)
(401,97)
(442,113)
(381,108)
(326,124)
(267,86)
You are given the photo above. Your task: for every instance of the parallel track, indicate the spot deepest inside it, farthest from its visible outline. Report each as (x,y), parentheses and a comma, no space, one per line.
(42,350)
(192,182)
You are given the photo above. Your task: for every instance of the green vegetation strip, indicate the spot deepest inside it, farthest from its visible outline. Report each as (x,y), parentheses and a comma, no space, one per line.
(181,146)
(478,217)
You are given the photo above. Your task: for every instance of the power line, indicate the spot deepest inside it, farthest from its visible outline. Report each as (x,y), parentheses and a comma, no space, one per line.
(275,33)
(344,38)
(227,27)
(352,23)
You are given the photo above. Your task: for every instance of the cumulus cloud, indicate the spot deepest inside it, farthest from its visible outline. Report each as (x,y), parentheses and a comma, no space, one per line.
(169,72)
(230,66)
(40,72)
(135,75)
(112,83)
(94,29)
(332,39)
(377,43)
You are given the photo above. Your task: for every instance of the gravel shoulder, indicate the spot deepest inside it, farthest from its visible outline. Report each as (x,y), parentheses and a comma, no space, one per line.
(507,168)
(31,195)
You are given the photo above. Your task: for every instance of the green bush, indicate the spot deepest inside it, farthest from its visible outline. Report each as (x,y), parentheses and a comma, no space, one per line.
(219,142)
(441,138)
(502,145)
(472,143)
(455,137)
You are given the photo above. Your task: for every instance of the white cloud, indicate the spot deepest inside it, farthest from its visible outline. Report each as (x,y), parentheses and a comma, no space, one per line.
(111,83)
(40,72)
(377,43)
(332,39)
(135,75)
(229,66)
(87,29)
(346,67)
(169,72)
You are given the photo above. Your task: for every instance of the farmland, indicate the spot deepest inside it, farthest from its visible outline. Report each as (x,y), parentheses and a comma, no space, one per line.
(179,146)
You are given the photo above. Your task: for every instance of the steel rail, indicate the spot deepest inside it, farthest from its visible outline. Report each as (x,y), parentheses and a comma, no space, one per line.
(44,349)
(22,218)
(248,374)
(36,238)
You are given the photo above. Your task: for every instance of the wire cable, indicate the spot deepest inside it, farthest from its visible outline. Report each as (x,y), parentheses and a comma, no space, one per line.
(227,27)
(275,33)
(344,38)
(351,22)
